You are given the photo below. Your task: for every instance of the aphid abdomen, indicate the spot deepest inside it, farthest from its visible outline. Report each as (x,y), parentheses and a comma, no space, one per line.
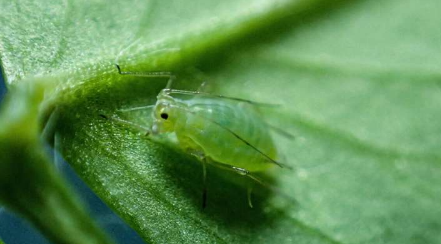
(215,126)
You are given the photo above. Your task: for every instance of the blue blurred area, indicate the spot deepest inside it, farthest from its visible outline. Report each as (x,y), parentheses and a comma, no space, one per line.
(14,230)
(2,87)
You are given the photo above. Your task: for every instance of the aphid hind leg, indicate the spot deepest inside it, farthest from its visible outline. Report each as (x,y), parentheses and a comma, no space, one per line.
(243,172)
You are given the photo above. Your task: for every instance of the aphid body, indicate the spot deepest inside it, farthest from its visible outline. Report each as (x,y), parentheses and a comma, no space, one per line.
(225,132)
(222,131)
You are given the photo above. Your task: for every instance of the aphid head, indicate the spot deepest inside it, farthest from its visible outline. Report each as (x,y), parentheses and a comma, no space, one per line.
(164,117)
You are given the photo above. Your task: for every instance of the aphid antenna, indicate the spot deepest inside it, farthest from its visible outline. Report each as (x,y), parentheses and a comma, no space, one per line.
(169,91)
(184,92)
(238,137)
(136,108)
(126,123)
(149,74)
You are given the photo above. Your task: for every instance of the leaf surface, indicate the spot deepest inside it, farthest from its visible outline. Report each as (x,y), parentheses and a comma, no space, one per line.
(358,83)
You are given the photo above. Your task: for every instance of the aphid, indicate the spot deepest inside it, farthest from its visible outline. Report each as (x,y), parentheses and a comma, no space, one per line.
(225,132)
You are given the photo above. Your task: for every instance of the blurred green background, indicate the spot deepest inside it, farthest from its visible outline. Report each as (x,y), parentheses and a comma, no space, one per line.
(15,230)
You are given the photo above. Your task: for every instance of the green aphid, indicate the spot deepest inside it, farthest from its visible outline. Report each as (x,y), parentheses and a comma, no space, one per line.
(226,132)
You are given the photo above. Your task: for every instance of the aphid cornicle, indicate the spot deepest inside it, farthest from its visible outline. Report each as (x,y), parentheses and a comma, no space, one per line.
(225,132)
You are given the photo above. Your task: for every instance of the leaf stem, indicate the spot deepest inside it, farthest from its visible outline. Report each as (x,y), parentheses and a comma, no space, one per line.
(29,185)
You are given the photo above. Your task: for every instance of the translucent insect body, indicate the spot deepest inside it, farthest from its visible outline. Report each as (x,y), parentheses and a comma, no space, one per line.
(225,132)
(219,130)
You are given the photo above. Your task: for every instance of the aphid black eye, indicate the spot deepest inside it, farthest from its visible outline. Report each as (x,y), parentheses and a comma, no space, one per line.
(164,116)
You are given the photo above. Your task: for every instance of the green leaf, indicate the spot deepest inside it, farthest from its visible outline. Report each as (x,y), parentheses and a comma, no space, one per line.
(359,84)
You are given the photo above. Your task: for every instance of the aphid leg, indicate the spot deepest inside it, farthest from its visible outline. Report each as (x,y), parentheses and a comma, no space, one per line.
(202,86)
(127,123)
(204,162)
(249,192)
(201,76)
(49,128)
(204,176)
(198,154)
(151,74)
(57,153)
(246,173)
